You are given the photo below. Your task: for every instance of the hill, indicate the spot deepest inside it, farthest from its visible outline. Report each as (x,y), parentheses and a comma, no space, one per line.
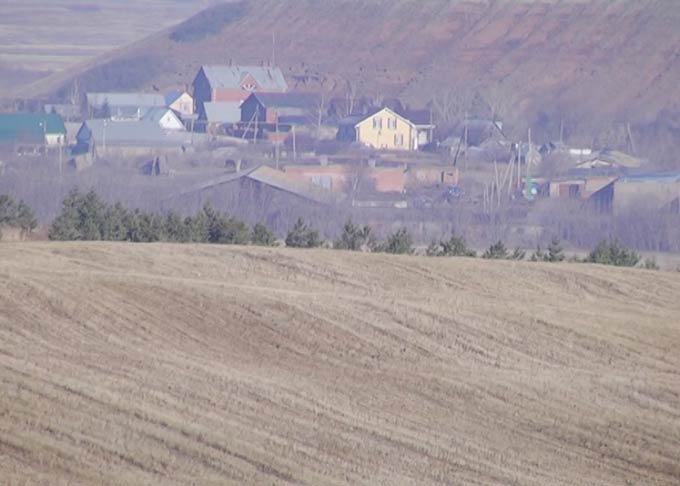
(182,364)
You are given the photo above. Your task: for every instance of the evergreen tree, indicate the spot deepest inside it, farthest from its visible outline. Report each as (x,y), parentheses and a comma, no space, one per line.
(25,218)
(262,236)
(454,246)
(613,253)
(302,236)
(353,237)
(555,251)
(399,242)
(496,251)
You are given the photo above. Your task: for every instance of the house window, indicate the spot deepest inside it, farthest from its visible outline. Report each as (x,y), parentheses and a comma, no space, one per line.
(392,123)
(398,140)
(377,123)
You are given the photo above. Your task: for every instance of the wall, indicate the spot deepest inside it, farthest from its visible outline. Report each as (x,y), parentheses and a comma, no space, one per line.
(384,138)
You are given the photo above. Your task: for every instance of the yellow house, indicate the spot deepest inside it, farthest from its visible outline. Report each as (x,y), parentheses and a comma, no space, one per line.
(383,129)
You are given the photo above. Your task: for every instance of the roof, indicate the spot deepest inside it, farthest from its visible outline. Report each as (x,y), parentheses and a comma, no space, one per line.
(172,96)
(375,111)
(141,132)
(418,117)
(222,111)
(653,177)
(286,100)
(271,177)
(30,126)
(157,113)
(268,78)
(126,99)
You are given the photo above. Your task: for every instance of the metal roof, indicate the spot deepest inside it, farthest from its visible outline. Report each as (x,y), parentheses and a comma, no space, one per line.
(268,78)
(30,126)
(172,96)
(665,177)
(222,111)
(128,132)
(156,114)
(126,99)
(286,100)
(271,177)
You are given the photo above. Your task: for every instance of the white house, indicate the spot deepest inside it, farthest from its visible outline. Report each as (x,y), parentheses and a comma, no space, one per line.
(164,118)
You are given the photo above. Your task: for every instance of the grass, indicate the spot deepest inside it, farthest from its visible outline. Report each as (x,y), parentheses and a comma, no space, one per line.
(187,364)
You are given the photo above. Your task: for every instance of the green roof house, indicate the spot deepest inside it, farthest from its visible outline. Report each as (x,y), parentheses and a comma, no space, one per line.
(32,128)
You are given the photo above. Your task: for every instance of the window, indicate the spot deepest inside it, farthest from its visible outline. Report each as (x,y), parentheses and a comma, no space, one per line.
(249,87)
(398,140)
(377,123)
(392,123)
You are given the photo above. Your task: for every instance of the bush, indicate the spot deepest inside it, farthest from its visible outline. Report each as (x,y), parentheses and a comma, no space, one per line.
(613,253)
(354,237)
(555,253)
(399,242)
(262,236)
(17,215)
(496,251)
(302,236)
(518,254)
(454,246)
(650,264)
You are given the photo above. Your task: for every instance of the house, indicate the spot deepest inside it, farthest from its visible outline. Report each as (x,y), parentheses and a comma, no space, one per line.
(217,114)
(282,108)
(422,119)
(122,105)
(346,178)
(180,102)
(647,190)
(46,129)
(165,118)
(137,136)
(235,83)
(381,129)
(598,191)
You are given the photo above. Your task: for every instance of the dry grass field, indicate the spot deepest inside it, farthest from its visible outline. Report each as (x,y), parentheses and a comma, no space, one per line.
(181,364)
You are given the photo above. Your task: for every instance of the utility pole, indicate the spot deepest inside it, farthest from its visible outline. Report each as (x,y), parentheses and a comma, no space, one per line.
(276,142)
(104,138)
(294,145)
(465,136)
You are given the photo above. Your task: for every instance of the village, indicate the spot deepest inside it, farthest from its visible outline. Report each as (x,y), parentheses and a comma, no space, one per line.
(338,152)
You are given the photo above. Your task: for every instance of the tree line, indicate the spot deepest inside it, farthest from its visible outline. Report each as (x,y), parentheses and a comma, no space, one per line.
(85,216)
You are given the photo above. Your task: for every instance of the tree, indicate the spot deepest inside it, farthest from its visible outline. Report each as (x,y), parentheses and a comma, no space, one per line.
(262,236)
(518,254)
(613,253)
(302,236)
(354,237)
(496,251)
(555,251)
(454,246)
(399,242)
(81,218)
(176,228)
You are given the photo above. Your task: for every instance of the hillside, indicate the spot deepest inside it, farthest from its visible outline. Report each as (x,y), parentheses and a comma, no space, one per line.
(42,38)
(182,364)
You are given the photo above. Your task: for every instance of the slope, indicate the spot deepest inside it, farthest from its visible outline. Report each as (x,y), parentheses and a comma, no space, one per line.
(182,364)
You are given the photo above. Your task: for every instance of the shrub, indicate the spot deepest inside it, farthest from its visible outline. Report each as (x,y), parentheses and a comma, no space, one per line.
(650,264)
(454,246)
(399,242)
(262,236)
(613,253)
(555,251)
(354,237)
(496,251)
(302,236)
(18,215)
(518,254)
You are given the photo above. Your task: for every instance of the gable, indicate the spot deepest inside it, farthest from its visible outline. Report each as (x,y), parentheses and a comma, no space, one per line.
(385,113)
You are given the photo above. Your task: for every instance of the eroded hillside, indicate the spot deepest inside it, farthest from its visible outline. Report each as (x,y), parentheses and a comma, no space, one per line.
(173,364)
